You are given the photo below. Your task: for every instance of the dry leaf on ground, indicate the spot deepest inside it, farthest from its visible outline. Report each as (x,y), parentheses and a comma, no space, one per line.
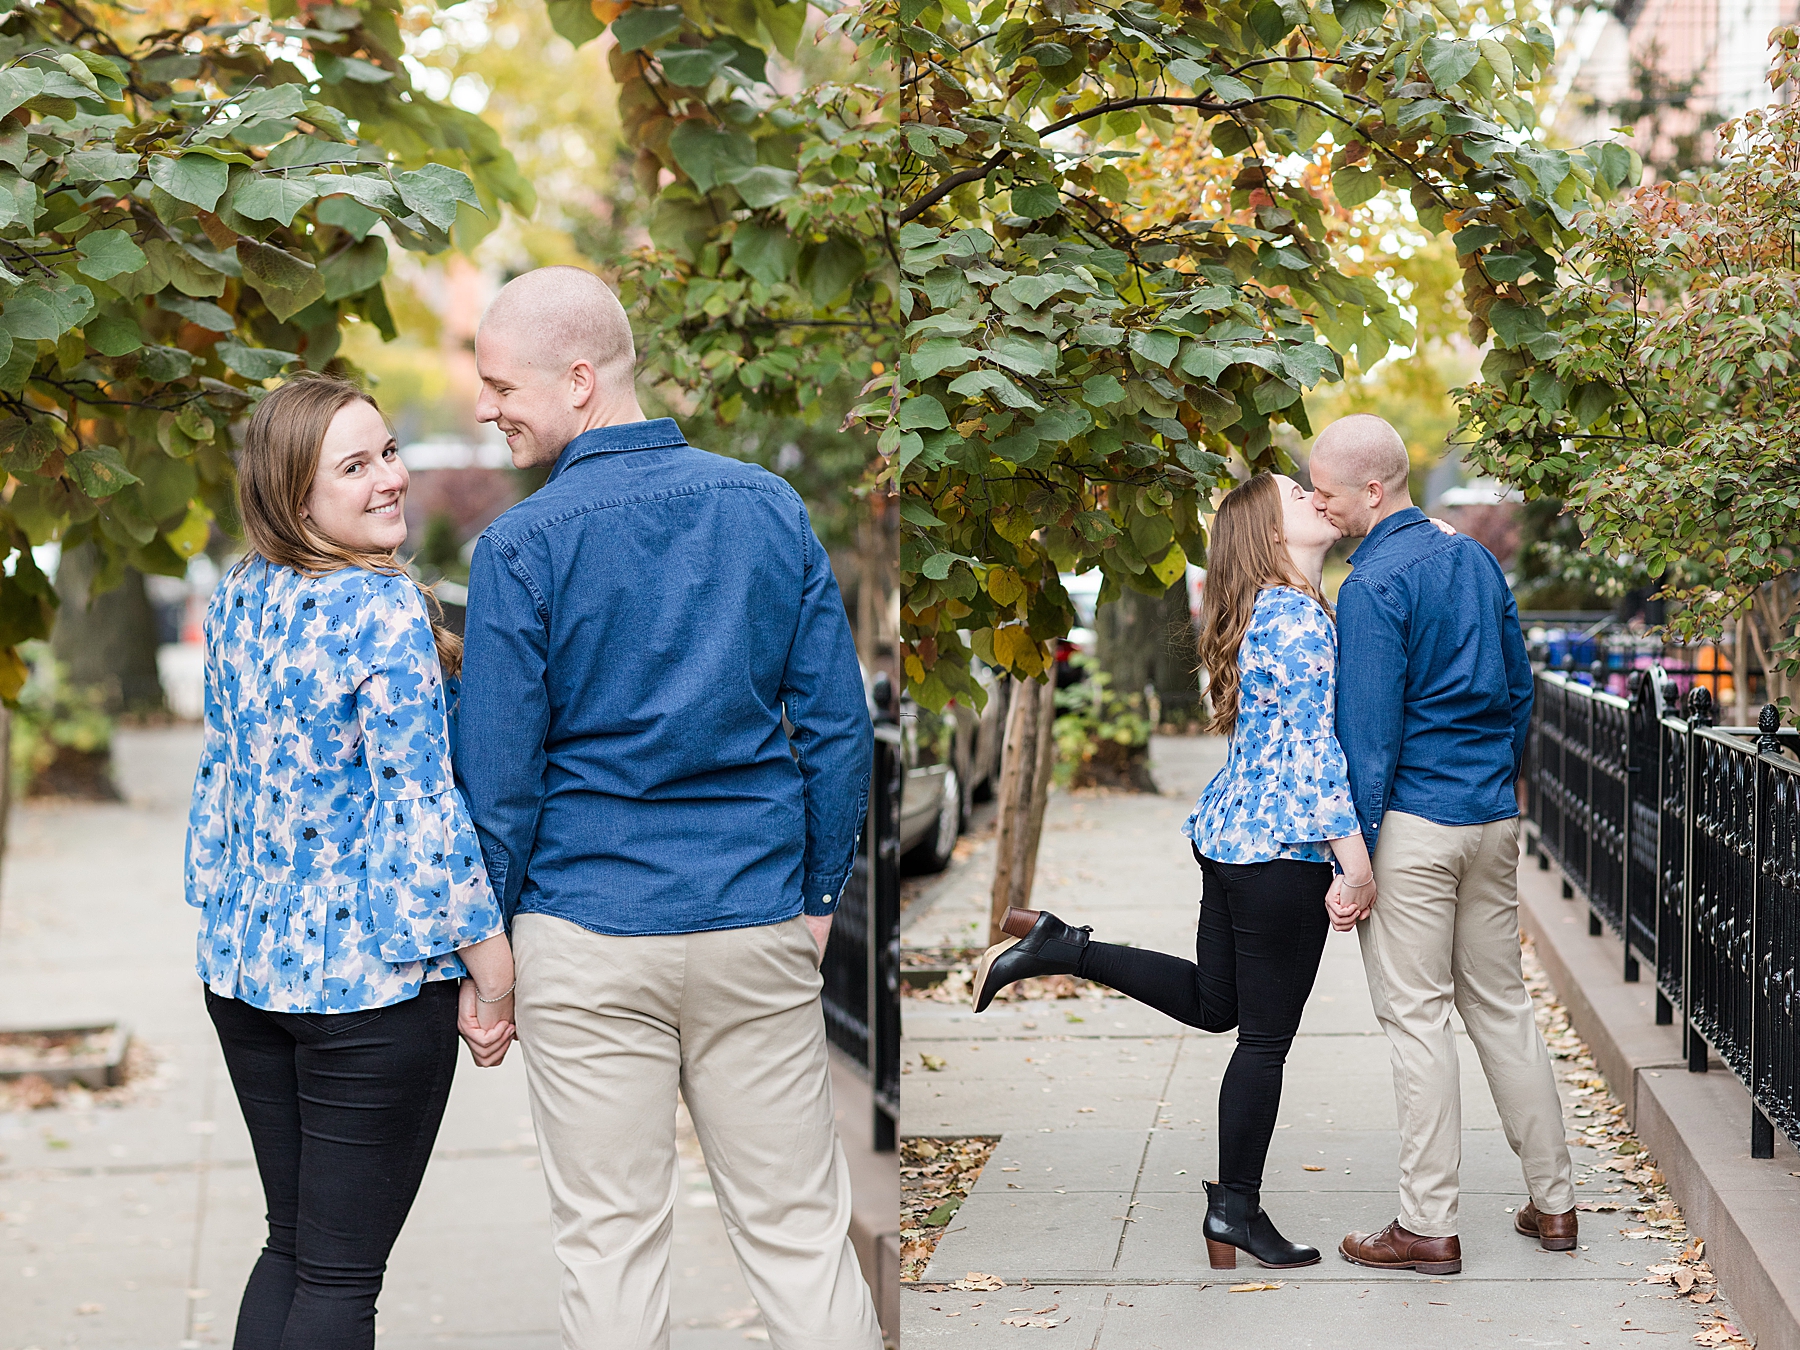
(1254,1287)
(976,1279)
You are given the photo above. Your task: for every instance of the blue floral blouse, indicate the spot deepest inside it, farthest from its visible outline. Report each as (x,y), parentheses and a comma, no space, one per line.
(329,852)
(1286,787)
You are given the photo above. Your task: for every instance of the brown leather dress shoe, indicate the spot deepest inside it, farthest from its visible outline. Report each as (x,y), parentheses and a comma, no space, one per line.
(1393,1248)
(1555,1232)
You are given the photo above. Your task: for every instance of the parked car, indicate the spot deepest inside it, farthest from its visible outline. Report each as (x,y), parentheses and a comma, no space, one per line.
(950,760)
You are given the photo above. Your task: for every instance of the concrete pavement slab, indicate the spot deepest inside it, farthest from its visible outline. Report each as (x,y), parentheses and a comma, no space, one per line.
(952,1319)
(1602,1314)
(990,1087)
(1016,1234)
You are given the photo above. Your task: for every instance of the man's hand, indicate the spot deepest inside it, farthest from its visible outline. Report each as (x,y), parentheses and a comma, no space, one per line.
(487,1045)
(820,924)
(1347,904)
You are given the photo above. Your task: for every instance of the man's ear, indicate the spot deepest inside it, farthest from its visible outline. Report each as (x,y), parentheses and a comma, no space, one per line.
(1377,496)
(582,384)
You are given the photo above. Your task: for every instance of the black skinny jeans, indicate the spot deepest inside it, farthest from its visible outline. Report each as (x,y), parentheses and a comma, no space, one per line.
(343,1109)
(1262,931)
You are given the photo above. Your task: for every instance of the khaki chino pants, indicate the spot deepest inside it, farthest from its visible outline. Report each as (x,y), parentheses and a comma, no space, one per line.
(1445,931)
(611,1028)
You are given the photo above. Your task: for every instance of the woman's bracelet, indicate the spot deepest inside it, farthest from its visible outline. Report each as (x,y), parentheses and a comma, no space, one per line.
(497,997)
(1358,885)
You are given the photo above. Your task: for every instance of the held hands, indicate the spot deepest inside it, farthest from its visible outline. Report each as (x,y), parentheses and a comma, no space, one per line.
(487,1027)
(1349,903)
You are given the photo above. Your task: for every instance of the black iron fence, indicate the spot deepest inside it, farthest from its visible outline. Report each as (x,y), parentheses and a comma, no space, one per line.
(1684,838)
(862,960)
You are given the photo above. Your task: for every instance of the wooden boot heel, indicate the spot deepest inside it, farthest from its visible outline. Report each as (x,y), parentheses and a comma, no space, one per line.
(1222,1255)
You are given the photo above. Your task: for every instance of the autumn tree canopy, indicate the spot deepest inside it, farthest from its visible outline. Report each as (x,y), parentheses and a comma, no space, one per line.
(1061,369)
(182,217)
(1655,391)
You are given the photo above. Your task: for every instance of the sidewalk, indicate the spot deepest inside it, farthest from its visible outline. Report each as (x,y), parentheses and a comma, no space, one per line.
(134,1227)
(1106,1114)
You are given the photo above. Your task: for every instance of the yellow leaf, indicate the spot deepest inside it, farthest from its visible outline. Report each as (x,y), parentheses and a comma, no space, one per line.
(608,10)
(1011,643)
(12,673)
(915,669)
(1172,566)
(1253,1288)
(1004,585)
(189,537)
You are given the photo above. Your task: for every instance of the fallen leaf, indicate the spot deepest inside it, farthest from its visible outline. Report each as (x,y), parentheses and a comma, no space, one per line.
(1254,1287)
(89,1309)
(1084,1110)
(931,1062)
(1705,1296)
(1043,1322)
(1684,1279)
(976,1279)
(1312,1167)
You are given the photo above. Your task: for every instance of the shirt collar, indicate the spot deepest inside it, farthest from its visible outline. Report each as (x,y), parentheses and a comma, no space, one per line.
(1412,515)
(650,434)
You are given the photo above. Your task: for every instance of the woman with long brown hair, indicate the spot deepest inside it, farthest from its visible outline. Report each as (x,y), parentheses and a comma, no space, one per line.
(1264,832)
(345,913)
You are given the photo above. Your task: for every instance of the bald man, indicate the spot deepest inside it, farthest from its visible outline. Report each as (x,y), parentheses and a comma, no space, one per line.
(1434,700)
(669,855)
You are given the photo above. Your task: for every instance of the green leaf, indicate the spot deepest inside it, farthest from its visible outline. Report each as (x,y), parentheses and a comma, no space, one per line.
(352,270)
(253,363)
(575,20)
(1272,395)
(937,355)
(100,471)
(353,69)
(287,284)
(267,197)
(705,152)
(828,270)
(1036,201)
(1355,186)
(1514,324)
(1447,60)
(42,311)
(693,67)
(766,253)
(348,215)
(208,315)
(1361,15)
(163,364)
(641,27)
(19,85)
(1156,347)
(173,265)
(114,334)
(1022,354)
(977,382)
(923,413)
(1102,390)
(762,185)
(1232,89)
(107,253)
(99,166)
(195,178)
(1309,363)
(434,190)
(1270,23)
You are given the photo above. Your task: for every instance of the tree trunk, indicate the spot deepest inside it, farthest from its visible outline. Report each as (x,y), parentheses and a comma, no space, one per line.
(1144,640)
(111,643)
(1027,761)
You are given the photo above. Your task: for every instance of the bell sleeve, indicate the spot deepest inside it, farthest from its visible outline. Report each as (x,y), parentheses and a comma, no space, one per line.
(1313,778)
(428,892)
(208,852)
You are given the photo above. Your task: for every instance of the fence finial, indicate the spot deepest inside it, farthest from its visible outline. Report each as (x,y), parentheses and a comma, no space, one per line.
(1699,705)
(1768,722)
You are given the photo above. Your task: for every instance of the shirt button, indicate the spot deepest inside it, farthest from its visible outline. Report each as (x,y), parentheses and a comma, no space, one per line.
(824,899)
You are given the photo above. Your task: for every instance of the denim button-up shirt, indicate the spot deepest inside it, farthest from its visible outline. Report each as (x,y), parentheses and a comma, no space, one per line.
(636,630)
(1434,684)
(333,862)
(1283,792)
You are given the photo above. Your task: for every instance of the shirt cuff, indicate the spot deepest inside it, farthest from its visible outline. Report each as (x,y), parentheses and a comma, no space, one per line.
(820,895)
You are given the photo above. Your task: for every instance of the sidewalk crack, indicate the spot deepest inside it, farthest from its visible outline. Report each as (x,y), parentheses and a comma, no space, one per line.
(1144,1158)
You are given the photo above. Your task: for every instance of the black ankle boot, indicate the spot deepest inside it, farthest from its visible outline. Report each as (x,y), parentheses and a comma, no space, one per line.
(1051,948)
(1236,1223)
